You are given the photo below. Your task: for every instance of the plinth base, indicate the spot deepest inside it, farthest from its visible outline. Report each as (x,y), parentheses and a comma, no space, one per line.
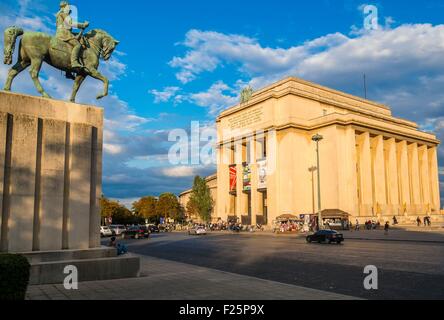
(47,267)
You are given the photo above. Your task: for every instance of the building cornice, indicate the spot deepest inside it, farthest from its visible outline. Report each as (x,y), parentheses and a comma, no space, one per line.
(311,89)
(359,121)
(321,94)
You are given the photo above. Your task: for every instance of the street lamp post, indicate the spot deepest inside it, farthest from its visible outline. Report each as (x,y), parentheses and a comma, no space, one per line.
(312,170)
(316,138)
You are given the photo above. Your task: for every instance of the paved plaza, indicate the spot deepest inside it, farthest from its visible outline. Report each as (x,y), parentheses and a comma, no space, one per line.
(225,266)
(168,280)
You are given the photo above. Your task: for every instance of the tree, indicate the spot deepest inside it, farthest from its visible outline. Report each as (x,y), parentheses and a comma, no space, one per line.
(146,208)
(168,206)
(201,201)
(119,213)
(192,208)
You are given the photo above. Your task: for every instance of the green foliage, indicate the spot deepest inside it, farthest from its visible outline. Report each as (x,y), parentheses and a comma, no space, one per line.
(146,208)
(14,276)
(119,213)
(201,202)
(168,206)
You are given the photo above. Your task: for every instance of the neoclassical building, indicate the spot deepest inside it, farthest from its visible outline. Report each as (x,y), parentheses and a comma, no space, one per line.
(372,164)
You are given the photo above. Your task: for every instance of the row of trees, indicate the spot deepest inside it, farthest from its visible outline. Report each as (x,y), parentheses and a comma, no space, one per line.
(118,212)
(151,208)
(165,206)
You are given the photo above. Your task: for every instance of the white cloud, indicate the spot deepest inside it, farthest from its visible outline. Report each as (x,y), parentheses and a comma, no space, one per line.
(209,50)
(112,149)
(165,95)
(206,51)
(182,171)
(395,60)
(218,97)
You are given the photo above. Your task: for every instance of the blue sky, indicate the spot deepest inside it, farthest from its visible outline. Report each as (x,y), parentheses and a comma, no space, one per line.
(183,61)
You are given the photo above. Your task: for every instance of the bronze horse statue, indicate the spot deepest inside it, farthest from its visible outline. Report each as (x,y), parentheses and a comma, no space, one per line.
(37,47)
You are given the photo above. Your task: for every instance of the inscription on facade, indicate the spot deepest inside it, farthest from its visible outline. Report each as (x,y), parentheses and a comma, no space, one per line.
(246,119)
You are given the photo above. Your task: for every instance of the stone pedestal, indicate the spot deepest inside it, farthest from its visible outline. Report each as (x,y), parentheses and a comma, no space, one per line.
(50,185)
(50,174)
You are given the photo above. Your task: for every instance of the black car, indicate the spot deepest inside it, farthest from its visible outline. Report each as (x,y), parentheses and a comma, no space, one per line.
(153,229)
(136,232)
(329,236)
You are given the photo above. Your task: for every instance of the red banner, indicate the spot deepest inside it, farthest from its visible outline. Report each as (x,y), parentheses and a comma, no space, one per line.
(233,178)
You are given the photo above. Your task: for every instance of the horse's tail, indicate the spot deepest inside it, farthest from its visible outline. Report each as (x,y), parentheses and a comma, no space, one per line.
(10,36)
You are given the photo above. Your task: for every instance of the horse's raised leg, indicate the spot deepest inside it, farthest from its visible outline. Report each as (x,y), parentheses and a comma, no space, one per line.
(34,71)
(97,75)
(77,83)
(14,71)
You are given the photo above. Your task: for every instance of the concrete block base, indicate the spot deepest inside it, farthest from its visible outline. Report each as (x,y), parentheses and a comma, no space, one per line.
(94,264)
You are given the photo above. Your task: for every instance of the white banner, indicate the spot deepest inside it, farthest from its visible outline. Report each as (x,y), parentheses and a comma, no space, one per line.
(262,174)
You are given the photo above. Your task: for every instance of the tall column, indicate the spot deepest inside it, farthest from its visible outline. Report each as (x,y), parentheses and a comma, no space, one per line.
(392,175)
(79,200)
(403,176)
(52,182)
(365,173)
(223,181)
(378,166)
(254,181)
(22,179)
(415,193)
(238,152)
(3,146)
(424,177)
(272,185)
(347,173)
(434,179)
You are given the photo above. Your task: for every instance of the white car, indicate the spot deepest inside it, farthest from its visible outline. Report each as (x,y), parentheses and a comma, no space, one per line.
(105,231)
(197,231)
(117,229)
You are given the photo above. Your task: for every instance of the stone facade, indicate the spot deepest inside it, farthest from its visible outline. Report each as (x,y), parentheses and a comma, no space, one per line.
(372,165)
(50,174)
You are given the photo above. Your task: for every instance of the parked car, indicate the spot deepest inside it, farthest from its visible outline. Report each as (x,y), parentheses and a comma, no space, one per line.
(153,228)
(105,231)
(197,231)
(136,232)
(329,236)
(117,229)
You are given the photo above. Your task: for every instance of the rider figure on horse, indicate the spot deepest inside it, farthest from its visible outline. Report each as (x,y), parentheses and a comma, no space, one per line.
(65,24)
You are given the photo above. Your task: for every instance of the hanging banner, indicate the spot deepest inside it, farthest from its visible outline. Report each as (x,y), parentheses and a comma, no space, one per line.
(262,174)
(233,178)
(247,177)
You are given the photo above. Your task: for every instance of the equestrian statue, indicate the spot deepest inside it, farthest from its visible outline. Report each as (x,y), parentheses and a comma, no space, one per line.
(77,54)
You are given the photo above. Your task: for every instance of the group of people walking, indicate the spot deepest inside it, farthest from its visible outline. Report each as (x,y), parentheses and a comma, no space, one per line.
(372,225)
(427,221)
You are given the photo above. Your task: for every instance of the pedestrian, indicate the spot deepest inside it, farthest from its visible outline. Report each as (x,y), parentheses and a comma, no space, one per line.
(395,221)
(357,225)
(121,248)
(418,221)
(112,242)
(386,228)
